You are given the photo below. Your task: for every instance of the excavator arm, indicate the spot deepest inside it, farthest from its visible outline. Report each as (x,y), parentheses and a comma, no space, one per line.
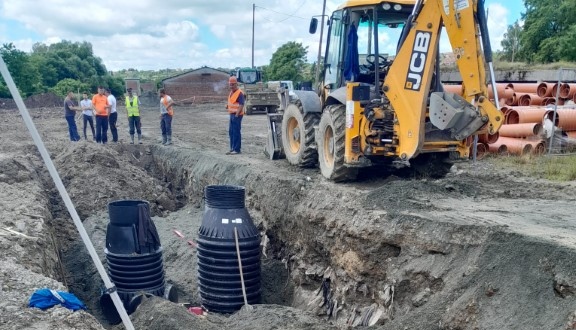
(409,79)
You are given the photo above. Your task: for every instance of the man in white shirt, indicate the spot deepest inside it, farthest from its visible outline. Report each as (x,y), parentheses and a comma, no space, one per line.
(87,114)
(113,117)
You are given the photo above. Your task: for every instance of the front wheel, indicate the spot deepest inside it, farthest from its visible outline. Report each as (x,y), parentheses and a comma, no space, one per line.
(298,136)
(331,144)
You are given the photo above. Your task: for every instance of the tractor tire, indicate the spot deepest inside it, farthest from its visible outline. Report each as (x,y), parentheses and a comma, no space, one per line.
(298,136)
(331,144)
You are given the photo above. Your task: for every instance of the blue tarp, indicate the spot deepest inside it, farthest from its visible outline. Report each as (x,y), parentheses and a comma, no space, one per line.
(351,64)
(46,298)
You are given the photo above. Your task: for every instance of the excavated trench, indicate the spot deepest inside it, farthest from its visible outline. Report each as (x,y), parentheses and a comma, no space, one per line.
(392,252)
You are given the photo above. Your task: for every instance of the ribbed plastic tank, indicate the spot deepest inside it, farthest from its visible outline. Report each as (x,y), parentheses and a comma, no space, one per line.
(218,271)
(134,257)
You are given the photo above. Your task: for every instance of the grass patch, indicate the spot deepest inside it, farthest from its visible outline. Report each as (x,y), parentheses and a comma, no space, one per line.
(554,168)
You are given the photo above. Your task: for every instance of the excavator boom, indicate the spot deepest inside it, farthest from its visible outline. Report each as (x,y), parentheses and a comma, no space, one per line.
(409,78)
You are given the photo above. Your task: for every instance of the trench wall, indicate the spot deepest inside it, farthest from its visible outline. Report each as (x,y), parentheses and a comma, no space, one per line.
(394,269)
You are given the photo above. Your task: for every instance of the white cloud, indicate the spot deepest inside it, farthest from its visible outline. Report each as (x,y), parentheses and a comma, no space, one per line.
(497,24)
(147,34)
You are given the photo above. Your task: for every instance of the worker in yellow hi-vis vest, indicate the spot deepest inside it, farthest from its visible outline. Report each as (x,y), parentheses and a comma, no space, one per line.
(133,110)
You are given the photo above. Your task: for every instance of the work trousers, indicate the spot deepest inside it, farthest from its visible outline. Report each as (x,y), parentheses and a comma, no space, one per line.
(166,124)
(134,125)
(72,129)
(234,128)
(102,129)
(112,120)
(89,120)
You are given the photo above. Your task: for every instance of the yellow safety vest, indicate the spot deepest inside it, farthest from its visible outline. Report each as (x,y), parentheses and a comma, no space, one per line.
(132,107)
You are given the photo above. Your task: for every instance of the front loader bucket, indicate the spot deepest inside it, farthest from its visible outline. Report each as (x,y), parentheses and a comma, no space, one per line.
(274,148)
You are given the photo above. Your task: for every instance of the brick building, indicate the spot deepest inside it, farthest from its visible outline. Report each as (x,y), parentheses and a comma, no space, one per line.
(202,85)
(133,83)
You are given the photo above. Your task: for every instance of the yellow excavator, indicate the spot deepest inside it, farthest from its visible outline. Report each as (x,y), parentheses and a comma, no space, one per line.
(381,101)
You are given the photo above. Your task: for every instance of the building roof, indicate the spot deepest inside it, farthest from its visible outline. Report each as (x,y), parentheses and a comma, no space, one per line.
(191,71)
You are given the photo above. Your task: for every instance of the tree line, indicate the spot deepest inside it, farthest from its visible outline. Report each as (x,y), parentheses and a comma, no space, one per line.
(58,68)
(72,66)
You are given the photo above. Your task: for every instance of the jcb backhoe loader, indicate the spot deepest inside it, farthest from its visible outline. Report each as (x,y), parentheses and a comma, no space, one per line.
(375,109)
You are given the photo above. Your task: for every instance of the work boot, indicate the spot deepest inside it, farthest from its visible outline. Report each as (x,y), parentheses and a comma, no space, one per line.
(139,138)
(131,138)
(169,140)
(164,139)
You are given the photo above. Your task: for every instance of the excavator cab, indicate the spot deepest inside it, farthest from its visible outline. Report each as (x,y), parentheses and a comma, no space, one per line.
(381,100)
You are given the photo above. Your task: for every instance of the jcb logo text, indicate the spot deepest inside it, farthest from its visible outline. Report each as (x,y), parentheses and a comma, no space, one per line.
(418,60)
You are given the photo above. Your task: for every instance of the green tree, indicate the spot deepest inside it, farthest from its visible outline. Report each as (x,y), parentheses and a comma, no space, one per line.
(287,62)
(69,85)
(66,59)
(511,42)
(23,72)
(548,27)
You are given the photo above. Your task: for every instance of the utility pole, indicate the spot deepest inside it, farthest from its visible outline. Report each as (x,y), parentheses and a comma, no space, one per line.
(320,43)
(253,14)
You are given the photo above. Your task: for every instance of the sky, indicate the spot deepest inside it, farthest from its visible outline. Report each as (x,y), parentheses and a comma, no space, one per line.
(187,34)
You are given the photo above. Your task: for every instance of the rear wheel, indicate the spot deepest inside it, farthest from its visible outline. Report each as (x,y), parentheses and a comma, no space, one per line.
(331,144)
(298,136)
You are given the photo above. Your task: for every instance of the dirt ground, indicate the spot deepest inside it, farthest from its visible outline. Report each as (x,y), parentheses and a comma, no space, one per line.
(486,247)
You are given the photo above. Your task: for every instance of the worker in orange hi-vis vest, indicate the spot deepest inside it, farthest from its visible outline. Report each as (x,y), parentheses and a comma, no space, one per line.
(235,108)
(166,114)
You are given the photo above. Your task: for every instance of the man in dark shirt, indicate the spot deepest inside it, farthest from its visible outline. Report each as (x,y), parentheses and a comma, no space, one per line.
(69,113)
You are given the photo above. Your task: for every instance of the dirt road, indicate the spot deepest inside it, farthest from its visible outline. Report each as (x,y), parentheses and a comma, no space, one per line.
(484,248)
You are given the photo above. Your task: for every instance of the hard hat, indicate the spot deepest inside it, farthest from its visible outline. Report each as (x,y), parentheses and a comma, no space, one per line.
(232,80)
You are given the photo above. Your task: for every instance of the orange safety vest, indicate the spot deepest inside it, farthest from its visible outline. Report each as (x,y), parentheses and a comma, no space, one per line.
(168,108)
(233,104)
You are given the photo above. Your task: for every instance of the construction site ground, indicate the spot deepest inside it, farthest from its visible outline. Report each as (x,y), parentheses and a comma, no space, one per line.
(486,247)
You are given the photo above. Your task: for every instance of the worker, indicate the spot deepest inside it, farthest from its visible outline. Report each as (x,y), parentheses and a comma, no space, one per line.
(102,109)
(132,108)
(166,113)
(112,115)
(70,113)
(235,108)
(87,115)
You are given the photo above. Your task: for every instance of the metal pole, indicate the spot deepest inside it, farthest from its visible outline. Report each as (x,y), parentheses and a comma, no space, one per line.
(62,190)
(320,43)
(253,16)
(555,109)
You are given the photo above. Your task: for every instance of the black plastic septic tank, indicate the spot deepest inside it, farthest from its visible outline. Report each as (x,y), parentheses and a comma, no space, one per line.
(218,271)
(134,258)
